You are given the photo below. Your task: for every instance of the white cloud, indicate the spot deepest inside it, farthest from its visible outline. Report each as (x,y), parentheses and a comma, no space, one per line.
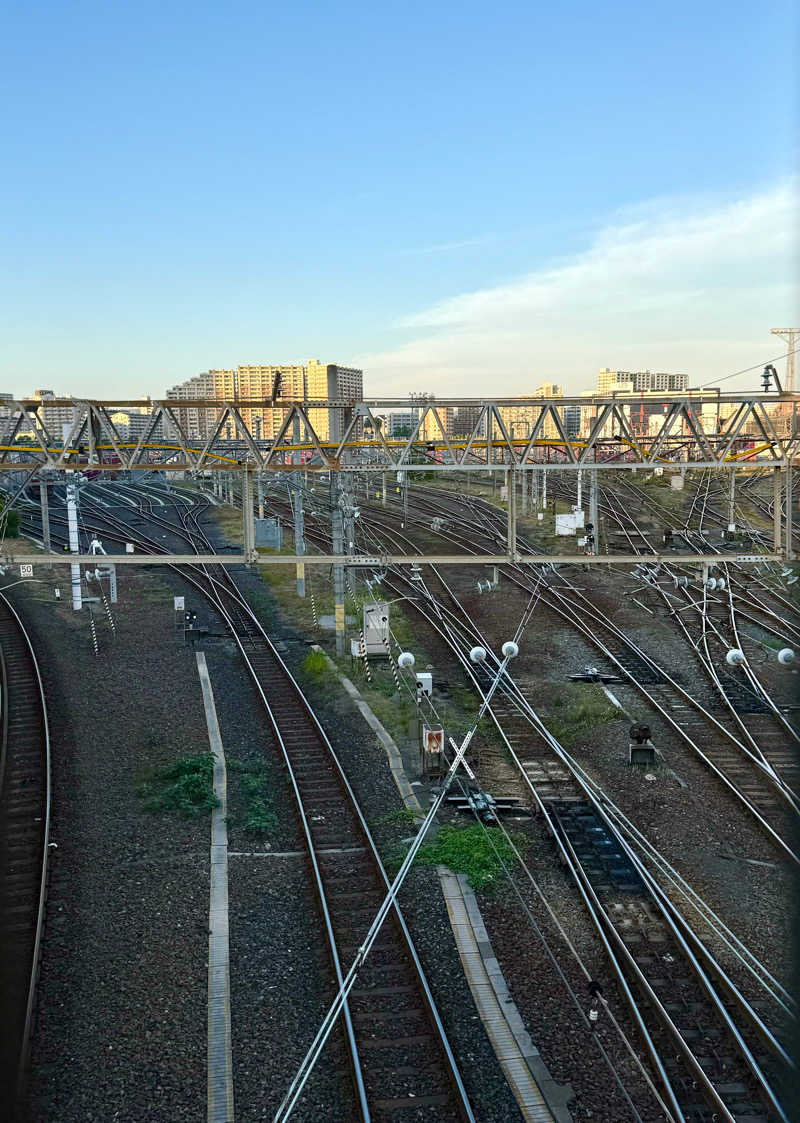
(670,285)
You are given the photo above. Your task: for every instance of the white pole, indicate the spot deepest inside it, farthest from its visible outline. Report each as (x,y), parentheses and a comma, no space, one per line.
(72,522)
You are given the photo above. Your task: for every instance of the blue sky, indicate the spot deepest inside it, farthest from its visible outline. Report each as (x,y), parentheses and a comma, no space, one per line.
(447,194)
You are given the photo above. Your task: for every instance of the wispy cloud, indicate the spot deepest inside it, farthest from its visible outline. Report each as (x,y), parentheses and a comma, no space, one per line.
(670,285)
(446,247)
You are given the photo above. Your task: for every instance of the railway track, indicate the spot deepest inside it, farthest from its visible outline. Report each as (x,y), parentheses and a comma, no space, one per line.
(722,1064)
(402,1065)
(705,733)
(24,848)
(725,1066)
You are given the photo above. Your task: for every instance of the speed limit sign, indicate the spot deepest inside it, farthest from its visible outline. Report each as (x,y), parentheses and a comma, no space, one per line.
(26,571)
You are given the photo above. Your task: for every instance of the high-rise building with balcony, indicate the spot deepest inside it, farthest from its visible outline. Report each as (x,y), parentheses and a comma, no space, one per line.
(623,382)
(256,382)
(640,381)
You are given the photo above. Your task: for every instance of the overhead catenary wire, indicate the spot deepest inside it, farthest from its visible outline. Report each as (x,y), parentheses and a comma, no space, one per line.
(747,370)
(627,1044)
(309,1061)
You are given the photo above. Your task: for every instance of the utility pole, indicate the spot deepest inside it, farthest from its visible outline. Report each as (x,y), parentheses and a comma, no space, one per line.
(248,522)
(788,520)
(74,545)
(594,517)
(579,497)
(260,479)
(337,536)
(45,513)
(777,527)
(299,528)
(511,492)
(732,500)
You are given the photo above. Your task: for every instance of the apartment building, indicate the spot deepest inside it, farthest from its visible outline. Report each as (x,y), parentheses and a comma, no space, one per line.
(57,419)
(640,381)
(332,382)
(431,430)
(401,421)
(255,382)
(466,419)
(520,419)
(192,420)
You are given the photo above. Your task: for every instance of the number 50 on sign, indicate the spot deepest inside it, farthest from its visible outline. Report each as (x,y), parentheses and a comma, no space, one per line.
(26,571)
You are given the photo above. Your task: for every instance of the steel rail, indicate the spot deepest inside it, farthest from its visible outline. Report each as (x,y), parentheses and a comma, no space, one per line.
(593,908)
(706,661)
(675,921)
(517,574)
(15,1089)
(713,997)
(230,590)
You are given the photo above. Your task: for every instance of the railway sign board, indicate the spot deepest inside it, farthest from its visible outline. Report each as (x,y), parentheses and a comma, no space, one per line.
(26,571)
(432,739)
(180,603)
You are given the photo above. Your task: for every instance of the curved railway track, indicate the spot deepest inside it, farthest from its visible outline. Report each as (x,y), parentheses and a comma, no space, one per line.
(24,848)
(726,1057)
(721,1059)
(400,1058)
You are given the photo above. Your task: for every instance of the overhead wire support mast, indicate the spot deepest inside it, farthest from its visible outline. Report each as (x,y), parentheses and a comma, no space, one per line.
(791,336)
(478,655)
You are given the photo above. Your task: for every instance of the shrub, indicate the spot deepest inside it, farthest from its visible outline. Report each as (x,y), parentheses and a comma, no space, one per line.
(186,786)
(315,664)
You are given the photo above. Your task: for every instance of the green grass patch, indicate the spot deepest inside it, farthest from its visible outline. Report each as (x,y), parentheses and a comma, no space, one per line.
(574,710)
(403,816)
(186,787)
(258,816)
(315,665)
(479,852)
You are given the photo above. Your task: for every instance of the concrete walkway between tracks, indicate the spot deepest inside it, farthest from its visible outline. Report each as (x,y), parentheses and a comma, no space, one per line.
(220,1068)
(541,1099)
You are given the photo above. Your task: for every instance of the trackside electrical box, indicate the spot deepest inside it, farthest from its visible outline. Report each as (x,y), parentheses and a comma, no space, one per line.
(376,628)
(425,683)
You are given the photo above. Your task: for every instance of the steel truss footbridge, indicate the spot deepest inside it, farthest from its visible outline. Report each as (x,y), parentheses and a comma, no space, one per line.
(736,432)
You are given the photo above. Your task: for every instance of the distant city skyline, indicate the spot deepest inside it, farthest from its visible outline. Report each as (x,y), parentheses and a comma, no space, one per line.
(504,196)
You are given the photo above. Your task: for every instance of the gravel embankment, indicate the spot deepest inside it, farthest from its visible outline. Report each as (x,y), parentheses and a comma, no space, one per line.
(121,1024)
